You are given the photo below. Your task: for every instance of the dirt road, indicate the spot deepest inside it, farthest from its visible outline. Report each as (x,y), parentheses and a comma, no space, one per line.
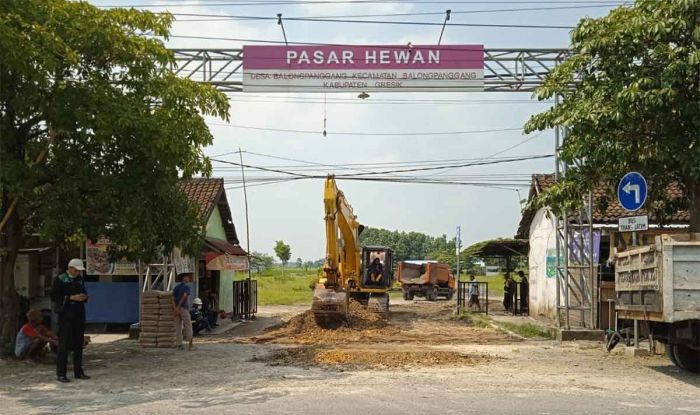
(428,363)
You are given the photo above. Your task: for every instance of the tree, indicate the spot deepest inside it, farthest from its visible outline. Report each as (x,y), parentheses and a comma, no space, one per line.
(260,261)
(630,99)
(300,262)
(283,252)
(412,245)
(95,134)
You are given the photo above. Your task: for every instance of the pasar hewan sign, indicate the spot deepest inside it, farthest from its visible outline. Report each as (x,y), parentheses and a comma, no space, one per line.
(325,69)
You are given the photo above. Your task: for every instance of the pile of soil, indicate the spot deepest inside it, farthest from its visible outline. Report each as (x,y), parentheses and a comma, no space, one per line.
(302,329)
(372,359)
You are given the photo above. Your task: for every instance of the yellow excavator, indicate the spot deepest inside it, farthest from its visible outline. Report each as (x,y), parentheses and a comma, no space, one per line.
(350,272)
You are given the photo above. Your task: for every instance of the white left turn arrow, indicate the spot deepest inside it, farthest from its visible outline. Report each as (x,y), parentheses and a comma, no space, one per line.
(629,188)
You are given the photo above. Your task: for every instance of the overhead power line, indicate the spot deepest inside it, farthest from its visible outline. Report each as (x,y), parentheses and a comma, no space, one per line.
(449,166)
(223,17)
(371,103)
(224,3)
(369,134)
(505,181)
(400,22)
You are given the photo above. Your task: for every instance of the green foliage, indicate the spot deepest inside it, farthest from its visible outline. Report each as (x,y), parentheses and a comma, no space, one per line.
(283,252)
(471,253)
(412,245)
(120,128)
(259,261)
(635,104)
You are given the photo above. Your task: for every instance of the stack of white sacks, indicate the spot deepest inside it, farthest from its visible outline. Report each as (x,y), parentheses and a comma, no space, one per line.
(157,320)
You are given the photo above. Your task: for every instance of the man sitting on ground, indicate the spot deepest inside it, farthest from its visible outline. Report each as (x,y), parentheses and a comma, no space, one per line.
(33,338)
(199,322)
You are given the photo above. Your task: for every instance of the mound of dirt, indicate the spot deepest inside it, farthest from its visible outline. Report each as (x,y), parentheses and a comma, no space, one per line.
(302,329)
(372,359)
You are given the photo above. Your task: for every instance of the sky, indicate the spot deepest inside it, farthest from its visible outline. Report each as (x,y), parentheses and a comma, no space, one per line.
(293,211)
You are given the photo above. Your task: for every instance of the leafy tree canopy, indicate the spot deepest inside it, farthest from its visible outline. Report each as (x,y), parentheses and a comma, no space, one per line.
(283,252)
(96,131)
(630,100)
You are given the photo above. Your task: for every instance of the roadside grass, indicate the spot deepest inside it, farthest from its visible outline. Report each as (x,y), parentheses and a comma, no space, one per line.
(474,319)
(527,330)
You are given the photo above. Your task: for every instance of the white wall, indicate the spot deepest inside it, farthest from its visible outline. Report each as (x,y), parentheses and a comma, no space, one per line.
(542,244)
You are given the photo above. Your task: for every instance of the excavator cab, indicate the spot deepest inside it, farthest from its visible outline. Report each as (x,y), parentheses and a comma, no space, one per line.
(377,267)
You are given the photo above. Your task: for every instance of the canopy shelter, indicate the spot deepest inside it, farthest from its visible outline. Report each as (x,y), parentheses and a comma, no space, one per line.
(504,249)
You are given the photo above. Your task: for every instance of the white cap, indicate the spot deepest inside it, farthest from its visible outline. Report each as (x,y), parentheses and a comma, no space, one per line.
(77,264)
(197,301)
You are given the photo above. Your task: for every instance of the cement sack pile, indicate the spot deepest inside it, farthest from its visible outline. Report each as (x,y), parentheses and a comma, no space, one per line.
(157,320)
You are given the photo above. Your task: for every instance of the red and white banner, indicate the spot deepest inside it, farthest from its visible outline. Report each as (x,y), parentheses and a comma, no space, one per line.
(226,262)
(445,68)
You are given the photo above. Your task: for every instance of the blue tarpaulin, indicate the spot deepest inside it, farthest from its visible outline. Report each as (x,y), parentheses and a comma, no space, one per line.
(112,302)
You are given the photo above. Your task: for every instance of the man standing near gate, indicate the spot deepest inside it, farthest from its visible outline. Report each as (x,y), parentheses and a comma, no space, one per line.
(69,297)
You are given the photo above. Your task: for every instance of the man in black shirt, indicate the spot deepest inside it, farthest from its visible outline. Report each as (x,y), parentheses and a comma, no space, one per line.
(69,297)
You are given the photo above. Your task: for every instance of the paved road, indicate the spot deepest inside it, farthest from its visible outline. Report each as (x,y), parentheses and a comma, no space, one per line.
(224,376)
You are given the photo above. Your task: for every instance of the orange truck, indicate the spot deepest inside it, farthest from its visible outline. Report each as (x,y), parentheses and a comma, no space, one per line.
(428,279)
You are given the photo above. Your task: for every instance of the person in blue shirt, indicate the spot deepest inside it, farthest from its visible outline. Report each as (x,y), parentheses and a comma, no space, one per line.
(473,292)
(181,306)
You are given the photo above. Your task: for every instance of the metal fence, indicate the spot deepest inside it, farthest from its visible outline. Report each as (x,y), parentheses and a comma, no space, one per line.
(245,299)
(518,303)
(481,305)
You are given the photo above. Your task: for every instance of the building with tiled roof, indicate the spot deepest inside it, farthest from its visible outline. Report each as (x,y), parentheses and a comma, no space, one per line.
(538,227)
(209,196)
(542,182)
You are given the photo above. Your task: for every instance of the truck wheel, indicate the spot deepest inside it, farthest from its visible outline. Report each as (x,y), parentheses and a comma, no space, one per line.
(406,295)
(450,294)
(433,294)
(671,352)
(687,358)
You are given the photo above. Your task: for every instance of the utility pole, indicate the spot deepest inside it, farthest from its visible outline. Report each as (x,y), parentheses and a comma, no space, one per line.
(458,244)
(247,223)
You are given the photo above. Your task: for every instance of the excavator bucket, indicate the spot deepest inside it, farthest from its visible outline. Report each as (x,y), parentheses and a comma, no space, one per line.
(330,307)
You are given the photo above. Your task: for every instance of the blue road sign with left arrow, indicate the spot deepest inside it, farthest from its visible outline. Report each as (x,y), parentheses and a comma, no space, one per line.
(632,191)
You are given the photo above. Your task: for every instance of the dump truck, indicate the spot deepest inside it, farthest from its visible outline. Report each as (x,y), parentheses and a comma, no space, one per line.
(659,285)
(428,279)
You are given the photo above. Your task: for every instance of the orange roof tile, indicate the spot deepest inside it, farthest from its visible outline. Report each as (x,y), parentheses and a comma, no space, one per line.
(614,211)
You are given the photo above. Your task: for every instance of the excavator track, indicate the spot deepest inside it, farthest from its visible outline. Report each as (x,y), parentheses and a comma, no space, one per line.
(379,304)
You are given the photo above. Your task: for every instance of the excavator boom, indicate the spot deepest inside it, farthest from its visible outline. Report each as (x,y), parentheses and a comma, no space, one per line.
(342,262)
(344,277)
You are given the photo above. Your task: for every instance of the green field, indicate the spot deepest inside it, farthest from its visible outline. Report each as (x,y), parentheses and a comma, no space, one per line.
(292,288)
